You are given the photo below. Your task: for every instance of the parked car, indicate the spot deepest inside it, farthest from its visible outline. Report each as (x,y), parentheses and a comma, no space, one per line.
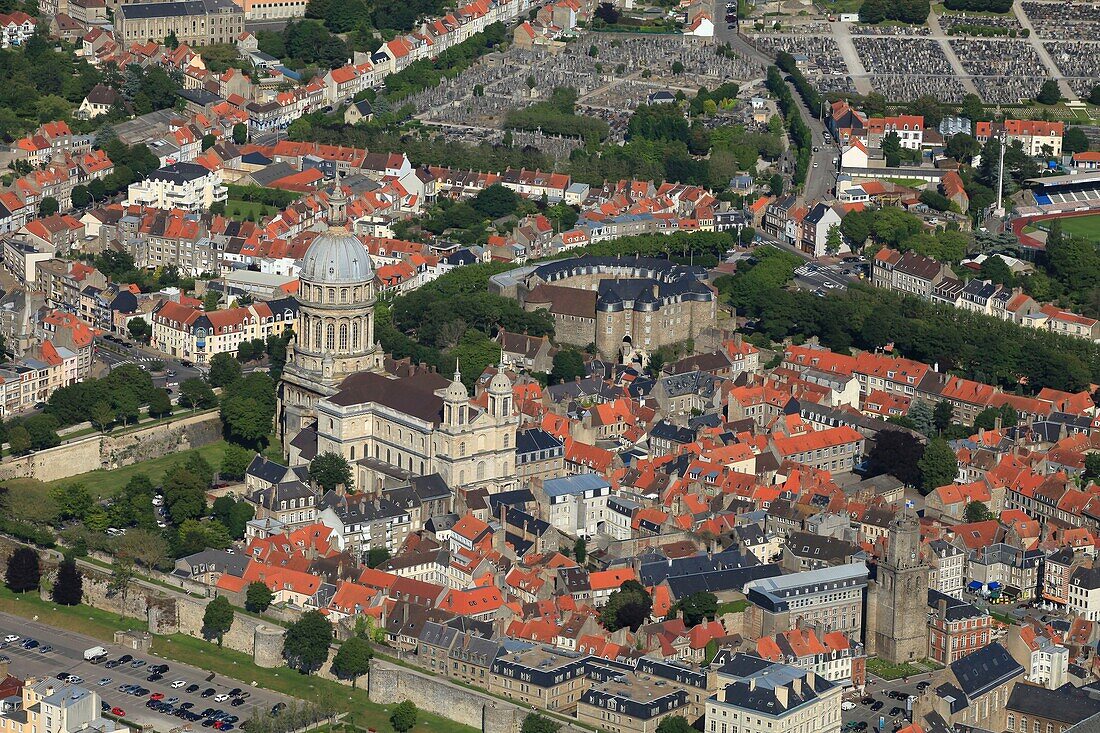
(208,692)
(191,689)
(117,711)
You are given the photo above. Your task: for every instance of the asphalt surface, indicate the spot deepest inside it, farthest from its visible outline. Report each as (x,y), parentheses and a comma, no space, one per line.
(822,277)
(820,180)
(112,354)
(879,689)
(68,656)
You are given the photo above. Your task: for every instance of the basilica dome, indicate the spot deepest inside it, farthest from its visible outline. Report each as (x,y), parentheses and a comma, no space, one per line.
(337,257)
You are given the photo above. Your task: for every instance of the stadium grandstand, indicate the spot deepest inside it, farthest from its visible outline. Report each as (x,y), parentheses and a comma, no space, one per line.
(1078,192)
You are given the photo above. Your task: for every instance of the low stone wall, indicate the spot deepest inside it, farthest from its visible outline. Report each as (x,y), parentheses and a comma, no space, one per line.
(114,451)
(388,684)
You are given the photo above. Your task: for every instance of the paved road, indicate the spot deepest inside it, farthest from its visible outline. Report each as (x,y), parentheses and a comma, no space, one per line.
(112,354)
(879,689)
(68,656)
(1033,38)
(820,180)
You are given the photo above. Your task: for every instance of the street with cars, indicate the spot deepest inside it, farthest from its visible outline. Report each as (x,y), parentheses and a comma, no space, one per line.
(883,702)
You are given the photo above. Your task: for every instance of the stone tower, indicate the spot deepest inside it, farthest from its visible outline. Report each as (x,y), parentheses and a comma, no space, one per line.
(334,335)
(897,608)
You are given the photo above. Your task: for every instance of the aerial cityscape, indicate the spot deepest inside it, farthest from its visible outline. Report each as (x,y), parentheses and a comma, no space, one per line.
(554,366)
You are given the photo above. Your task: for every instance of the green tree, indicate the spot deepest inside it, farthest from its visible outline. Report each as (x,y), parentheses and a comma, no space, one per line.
(24,572)
(68,588)
(496,201)
(240,133)
(1092,467)
(376,556)
(962,147)
(943,415)
(217,619)
(73,501)
(996,270)
(938,466)
(897,453)
(139,330)
(352,660)
(224,370)
(403,717)
(697,608)
(1074,141)
(160,404)
(674,724)
(833,241)
(535,723)
(1094,95)
(330,470)
(196,393)
(973,110)
(235,462)
(580,551)
(1049,93)
(48,206)
(891,149)
(208,141)
(306,642)
(568,365)
(775,183)
(977,511)
(80,197)
(258,597)
(211,300)
(102,415)
(627,607)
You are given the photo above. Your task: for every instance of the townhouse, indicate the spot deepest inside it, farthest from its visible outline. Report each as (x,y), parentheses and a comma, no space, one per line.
(189,333)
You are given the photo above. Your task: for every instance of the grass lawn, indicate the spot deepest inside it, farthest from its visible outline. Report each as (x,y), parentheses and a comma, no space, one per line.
(1082,226)
(107,483)
(79,619)
(361,711)
(887,671)
(908,182)
(842,6)
(732,607)
(1087,226)
(237,209)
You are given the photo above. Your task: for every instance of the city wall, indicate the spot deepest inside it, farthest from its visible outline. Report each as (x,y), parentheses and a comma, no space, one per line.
(114,451)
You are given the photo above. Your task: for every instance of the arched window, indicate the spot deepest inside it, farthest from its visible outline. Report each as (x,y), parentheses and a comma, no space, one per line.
(343,337)
(355,334)
(330,336)
(343,295)
(480,470)
(332,295)
(316,335)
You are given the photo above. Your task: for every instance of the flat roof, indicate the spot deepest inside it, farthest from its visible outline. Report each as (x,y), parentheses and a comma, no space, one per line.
(1085,177)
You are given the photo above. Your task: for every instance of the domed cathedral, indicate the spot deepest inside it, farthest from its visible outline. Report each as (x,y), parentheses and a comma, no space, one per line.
(334,334)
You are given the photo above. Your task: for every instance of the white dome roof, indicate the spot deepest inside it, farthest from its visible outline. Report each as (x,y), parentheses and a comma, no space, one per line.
(500,383)
(337,257)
